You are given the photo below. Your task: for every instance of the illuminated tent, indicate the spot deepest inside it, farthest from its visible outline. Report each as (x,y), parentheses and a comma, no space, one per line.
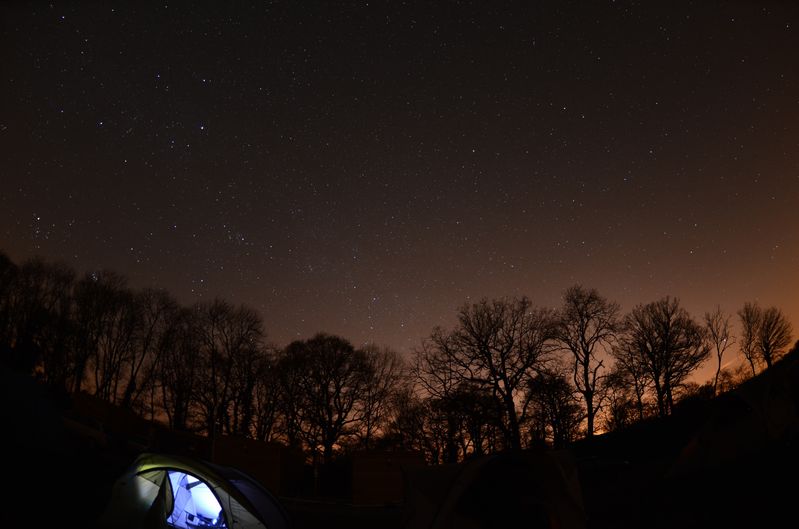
(160,491)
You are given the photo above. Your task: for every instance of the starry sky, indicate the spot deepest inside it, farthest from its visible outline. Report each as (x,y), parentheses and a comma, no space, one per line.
(364,168)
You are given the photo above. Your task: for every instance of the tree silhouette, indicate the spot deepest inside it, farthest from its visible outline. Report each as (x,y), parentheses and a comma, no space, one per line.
(42,311)
(481,419)
(498,344)
(439,374)
(228,338)
(666,344)
(289,372)
(249,365)
(774,335)
(624,399)
(731,378)
(416,426)
(489,384)
(717,327)
(106,322)
(587,324)
(764,334)
(266,398)
(383,369)
(35,311)
(179,370)
(750,316)
(632,371)
(557,413)
(156,314)
(8,276)
(332,379)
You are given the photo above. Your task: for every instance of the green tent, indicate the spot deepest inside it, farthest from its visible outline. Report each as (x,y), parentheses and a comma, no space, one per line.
(533,489)
(169,491)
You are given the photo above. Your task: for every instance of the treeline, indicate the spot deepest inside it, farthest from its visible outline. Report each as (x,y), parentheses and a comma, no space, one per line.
(508,375)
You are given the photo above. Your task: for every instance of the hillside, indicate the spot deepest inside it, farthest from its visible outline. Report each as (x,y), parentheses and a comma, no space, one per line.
(719,462)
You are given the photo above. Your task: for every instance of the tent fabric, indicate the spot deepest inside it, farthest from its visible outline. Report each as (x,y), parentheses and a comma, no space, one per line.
(540,488)
(757,417)
(162,491)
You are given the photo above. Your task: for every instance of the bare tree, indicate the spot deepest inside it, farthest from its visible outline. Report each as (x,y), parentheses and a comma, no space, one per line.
(8,278)
(93,296)
(415,425)
(156,313)
(632,370)
(179,369)
(750,316)
(384,371)
(764,334)
(663,341)
(106,320)
(266,399)
(333,380)
(35,324)
(557,413)
(481,419)
(624,399)
(717,327)
(467,421)
(249,366)
(499,344)
(229,338)
(587,326)
(774,335)
(439,375)
(42,319)
(289,371)
(731,378)
(115,346)
(57,333)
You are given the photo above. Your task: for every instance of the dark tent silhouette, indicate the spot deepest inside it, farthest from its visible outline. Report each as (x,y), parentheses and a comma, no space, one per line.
(530,489)
(759,417)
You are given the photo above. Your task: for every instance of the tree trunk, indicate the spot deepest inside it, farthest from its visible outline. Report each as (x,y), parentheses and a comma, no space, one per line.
(661,398)
(515,435)
(588,395)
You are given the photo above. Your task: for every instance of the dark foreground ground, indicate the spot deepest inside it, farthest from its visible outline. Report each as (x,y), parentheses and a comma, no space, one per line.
(661,474)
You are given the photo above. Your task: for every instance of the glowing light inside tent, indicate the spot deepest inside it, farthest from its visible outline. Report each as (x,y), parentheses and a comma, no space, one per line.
(195,505)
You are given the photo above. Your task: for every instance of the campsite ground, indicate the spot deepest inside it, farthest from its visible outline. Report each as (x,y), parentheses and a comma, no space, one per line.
(306,514)
(617,494)
(637,478)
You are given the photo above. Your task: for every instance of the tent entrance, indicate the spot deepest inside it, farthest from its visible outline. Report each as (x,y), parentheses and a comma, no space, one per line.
(194,505)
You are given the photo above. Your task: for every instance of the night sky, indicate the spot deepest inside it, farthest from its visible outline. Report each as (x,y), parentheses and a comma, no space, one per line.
(365,168)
